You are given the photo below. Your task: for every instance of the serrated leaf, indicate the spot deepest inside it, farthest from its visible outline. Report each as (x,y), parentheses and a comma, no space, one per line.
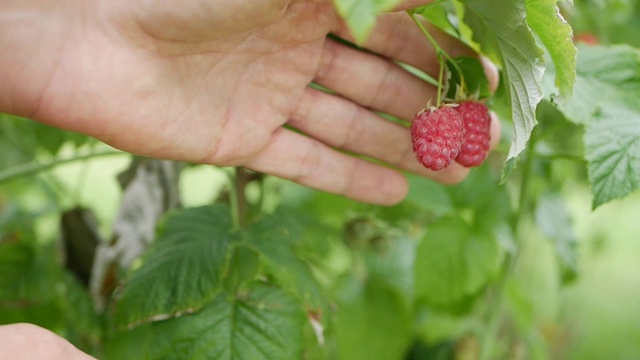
(606,76)
(612,149)
(557,36)
(372,322)
(182,270)
(605,101)
(504,36)
(262,323)
(275,239)
(554,220)
(508,167)
(361,15)
(454,261)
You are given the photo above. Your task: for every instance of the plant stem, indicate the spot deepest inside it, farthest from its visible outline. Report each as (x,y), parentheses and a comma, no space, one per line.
(566,157)
(440,80)
(439,50)
(233,199)
(238,201)
(426,33)
(33,168)
(497,310)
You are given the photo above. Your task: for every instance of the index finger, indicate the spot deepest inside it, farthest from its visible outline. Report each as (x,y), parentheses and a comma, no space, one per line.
(397,37)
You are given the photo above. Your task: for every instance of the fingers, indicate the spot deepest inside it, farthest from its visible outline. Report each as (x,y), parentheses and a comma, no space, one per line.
(495,131)
(27,341)
(397,37)
(309,162)
(372,81)
(342,124)
(379,83)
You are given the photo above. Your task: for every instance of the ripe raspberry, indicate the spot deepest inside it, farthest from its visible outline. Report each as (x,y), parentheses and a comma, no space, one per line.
(437,136)
(477,133)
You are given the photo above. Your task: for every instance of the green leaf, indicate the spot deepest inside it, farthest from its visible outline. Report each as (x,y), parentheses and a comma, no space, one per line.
(435,327)
(454,261)
(372,322)
(429,195)
(508,167)
(48,137)
(390,261)
(471,70)
(21,274)
(607,77)
(504,36)
(554,220)
(17,143)
(520,305)
(262,323)
(482,198)
(557,36)
(605,100)
(182,270)
(16,260)
(244,266)
(361,15)
(612,149)
(438,15)
(275,238)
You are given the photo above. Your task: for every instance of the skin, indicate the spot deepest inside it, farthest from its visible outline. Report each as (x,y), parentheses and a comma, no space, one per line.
(28,342)
(214,82)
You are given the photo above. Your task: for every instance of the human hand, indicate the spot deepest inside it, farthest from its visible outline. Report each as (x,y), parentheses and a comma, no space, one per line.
(215,81)
(28,342)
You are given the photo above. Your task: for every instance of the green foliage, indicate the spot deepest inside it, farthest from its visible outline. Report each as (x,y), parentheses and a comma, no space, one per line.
(544,18)
(361,15)
(553,220)
(260,322)
(21,138)
(35,289)
(183,269)
(472,72)
(454,261)
(505,37)
(373,322)
(277,243)
(607,87)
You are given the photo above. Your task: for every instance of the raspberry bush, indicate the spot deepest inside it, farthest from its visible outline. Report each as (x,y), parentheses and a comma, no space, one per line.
(194,262)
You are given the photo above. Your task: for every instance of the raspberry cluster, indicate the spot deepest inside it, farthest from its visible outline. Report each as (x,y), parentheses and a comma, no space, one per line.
(452,132)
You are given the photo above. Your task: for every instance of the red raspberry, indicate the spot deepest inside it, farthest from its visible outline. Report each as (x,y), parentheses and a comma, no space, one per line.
(477,133)
(437,136)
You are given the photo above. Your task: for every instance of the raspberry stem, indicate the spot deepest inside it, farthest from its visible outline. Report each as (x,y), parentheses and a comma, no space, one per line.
(440,52)
(440,81)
